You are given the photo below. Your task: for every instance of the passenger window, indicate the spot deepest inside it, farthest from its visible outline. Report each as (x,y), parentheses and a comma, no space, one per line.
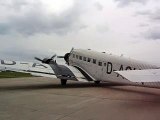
(89,59)
(77,56)
(104,64)
(94,61)
(73,55)
(80,57)
(100,63)
(84,58)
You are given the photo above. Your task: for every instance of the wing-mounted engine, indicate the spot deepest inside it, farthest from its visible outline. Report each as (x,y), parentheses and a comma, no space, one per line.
(49,60)
(64,72)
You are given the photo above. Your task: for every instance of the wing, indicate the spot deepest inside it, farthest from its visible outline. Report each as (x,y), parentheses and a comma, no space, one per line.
(35,69)
(44,70)
(148,75)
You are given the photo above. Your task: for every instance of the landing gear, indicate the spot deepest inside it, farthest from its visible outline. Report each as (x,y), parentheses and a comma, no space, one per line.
(63,82)
(97,82)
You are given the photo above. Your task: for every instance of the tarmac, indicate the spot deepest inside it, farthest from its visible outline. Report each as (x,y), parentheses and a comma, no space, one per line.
(41,98)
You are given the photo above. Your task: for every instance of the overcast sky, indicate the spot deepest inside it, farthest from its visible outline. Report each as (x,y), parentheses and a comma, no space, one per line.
(31,28)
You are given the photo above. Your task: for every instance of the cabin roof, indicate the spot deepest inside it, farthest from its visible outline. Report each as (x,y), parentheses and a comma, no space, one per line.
(107,56)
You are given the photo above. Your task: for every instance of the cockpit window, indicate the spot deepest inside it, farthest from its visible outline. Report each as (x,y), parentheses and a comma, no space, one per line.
(77,56)
(100,63)
(80,57)
(94,61)
(89,59)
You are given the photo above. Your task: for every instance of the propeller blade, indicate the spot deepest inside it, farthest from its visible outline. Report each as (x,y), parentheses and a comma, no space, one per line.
(60,56)
(38,59)
(53,56)
(71,50)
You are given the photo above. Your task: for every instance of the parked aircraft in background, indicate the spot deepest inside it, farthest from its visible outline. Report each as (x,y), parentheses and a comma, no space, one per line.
(91,66)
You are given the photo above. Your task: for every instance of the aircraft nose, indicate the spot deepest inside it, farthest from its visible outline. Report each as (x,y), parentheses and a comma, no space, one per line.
(66,57)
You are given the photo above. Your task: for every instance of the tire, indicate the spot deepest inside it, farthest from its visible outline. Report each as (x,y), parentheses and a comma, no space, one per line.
(63,82)
(97,82)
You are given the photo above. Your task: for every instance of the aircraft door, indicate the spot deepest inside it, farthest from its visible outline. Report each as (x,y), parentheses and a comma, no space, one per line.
(99,70)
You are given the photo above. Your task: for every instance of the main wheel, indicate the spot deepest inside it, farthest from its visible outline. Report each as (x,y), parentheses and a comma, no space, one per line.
(63,81)
(97,82)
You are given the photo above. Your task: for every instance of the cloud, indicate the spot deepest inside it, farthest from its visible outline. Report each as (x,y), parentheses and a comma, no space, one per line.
(34,19)
(123,3)
(144,12)
(29,28)
(143,25)
(152,15)
(153,33)
(155,15)
(98,6)
(16,5)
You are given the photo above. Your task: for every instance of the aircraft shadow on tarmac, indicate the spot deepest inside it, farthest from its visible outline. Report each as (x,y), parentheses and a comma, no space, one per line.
(111,86)
(53,86)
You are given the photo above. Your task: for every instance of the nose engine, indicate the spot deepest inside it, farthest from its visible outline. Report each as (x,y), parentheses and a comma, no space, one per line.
(66,57)
(51,60)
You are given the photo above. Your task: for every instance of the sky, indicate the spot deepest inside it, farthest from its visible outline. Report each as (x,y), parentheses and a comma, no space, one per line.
(41,28)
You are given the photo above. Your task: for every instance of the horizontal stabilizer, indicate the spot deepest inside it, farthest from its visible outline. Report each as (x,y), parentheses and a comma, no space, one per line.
(148,75)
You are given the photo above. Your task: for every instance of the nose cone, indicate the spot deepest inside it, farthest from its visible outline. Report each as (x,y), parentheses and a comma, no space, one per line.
(66,57)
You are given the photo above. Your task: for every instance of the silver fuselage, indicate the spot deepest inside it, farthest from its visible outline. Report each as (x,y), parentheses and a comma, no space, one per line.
(101,66)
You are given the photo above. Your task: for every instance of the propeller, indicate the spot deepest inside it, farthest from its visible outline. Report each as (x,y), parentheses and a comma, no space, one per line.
(60,56)
(53,56)
(51,60)
(38,59)
(71,50)
(47,60)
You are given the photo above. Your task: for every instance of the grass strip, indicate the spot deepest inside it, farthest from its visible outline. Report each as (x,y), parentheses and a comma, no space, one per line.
(10,74)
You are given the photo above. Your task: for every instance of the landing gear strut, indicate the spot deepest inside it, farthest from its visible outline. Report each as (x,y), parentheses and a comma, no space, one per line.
(97,82)
(63,81)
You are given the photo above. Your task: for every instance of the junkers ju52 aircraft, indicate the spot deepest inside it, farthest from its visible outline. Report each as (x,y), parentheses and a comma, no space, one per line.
(87,66)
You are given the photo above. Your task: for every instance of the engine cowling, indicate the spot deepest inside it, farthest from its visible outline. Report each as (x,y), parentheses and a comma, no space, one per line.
(66,57)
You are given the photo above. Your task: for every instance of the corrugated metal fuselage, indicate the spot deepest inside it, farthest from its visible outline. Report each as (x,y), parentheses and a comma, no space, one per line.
(101,66)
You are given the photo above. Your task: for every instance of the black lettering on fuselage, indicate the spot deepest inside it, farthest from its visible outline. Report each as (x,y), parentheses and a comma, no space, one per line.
(128,68)
(8,63)
(40,65)
(120,69)
(109,68)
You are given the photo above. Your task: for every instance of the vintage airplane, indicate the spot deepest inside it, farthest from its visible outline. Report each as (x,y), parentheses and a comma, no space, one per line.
(91,66)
